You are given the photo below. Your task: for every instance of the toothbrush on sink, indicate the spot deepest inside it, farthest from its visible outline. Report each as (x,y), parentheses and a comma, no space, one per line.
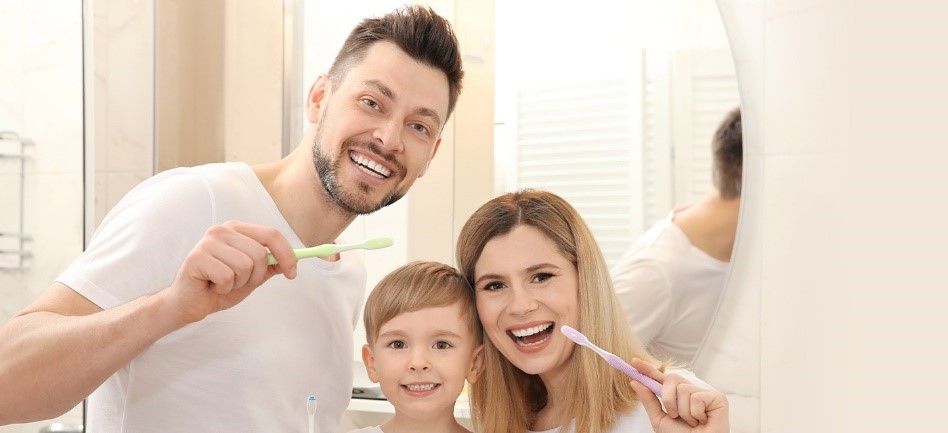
(325,250)
(613,360)
(311,412)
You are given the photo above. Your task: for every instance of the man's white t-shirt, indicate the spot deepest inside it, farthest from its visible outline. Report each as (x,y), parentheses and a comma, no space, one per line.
(669,290)
(250,368)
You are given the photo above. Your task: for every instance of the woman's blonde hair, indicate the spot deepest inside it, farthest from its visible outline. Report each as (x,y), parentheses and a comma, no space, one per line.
(506,399)
(415,286)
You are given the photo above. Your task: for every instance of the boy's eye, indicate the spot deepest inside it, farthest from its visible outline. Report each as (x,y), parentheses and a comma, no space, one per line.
(397,344)
(442,345)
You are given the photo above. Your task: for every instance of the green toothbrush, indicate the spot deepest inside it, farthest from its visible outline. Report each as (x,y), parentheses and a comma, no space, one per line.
(325,250)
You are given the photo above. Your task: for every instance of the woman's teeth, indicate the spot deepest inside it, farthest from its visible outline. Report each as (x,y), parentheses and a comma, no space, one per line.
(533,335)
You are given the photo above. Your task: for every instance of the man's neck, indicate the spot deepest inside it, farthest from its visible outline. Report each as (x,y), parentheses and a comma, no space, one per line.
(711,224)
(301,199)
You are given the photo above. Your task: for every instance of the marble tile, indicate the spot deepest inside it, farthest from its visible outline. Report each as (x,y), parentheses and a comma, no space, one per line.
(129,85)
(55,226)
(119,184)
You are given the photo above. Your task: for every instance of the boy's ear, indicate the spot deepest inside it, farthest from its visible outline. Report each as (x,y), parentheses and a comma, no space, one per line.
(369,360)
(477,365)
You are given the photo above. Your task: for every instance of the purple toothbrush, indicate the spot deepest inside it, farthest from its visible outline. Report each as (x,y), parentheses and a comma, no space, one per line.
(613,360)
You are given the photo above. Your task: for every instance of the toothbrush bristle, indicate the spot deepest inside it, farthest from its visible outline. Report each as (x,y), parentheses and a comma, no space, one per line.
(311,404)
(379,243)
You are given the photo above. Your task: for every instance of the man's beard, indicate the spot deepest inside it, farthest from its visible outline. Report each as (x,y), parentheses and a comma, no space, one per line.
(327,171)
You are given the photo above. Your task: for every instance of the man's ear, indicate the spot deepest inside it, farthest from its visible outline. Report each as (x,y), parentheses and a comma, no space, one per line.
(369,360)
(316,98)
(433,152)
(477,365)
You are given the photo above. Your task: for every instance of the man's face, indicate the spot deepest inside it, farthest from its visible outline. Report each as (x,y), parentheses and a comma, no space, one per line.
(379,128)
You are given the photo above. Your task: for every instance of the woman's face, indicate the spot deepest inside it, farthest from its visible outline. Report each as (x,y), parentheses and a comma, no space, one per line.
(526,290)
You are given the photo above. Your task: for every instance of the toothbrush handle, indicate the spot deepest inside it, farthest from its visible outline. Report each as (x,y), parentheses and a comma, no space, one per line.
(630,371)
(305,253)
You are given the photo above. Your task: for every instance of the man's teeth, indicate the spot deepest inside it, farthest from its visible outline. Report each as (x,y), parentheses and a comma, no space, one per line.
(425,387)
(376,169)
(531,330)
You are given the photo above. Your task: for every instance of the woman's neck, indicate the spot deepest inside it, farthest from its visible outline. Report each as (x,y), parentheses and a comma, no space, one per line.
(551,415)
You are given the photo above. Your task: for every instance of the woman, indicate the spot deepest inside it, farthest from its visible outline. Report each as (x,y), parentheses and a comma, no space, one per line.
(534,267)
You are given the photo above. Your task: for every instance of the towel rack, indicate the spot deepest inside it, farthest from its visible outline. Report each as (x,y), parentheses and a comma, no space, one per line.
(20,252)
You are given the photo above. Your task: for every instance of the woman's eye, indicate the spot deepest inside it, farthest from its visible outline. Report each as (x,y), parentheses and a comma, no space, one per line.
(442,345)
(541,277)
(492,286)
(397,344)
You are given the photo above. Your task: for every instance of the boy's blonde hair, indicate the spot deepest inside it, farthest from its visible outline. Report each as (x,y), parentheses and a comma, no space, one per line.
(415,286)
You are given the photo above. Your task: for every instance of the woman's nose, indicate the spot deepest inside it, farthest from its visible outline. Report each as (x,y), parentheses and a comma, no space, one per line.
(523,302)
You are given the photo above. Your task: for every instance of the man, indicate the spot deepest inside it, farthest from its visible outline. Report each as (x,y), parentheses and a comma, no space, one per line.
(670,280)
(173,320)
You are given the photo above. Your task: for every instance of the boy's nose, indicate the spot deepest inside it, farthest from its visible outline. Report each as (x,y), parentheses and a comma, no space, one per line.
(420,363)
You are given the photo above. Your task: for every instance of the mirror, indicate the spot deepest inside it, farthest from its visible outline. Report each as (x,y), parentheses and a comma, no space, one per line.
(664,70)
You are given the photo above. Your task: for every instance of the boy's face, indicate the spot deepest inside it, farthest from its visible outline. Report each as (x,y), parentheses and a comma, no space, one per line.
(421,360)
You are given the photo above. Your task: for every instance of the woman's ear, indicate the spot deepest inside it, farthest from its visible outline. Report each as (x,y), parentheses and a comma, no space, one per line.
(316,98)
(368,358)
(477,365)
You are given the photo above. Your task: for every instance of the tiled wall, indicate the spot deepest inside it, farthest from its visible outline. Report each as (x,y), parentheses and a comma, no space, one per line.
(41,101)
(120,105)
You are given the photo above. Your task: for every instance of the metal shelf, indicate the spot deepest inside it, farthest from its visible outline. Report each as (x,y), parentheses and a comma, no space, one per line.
(22,238)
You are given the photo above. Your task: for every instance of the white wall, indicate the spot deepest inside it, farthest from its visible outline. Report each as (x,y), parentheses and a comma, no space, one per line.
(41,100)
(844,214)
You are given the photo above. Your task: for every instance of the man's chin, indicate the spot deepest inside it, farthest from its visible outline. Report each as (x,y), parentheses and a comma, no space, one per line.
(363,206)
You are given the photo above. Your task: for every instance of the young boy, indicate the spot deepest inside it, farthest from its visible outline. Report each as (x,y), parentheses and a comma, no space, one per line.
(424,341)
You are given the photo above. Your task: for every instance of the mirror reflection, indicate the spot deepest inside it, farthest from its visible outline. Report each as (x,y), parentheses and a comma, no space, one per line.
(616,117)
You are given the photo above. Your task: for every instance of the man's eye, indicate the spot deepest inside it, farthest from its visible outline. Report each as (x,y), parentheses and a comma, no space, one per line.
(420,128)
(370,103)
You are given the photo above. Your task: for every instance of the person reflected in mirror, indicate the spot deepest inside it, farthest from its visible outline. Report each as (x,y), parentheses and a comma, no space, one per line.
(534,266)
(172,320)
(424,342)
(670,280)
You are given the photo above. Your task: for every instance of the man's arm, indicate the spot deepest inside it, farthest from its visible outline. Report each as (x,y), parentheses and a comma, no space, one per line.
(62,347)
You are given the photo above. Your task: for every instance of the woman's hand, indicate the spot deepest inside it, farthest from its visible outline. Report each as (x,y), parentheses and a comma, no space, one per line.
(690,409)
